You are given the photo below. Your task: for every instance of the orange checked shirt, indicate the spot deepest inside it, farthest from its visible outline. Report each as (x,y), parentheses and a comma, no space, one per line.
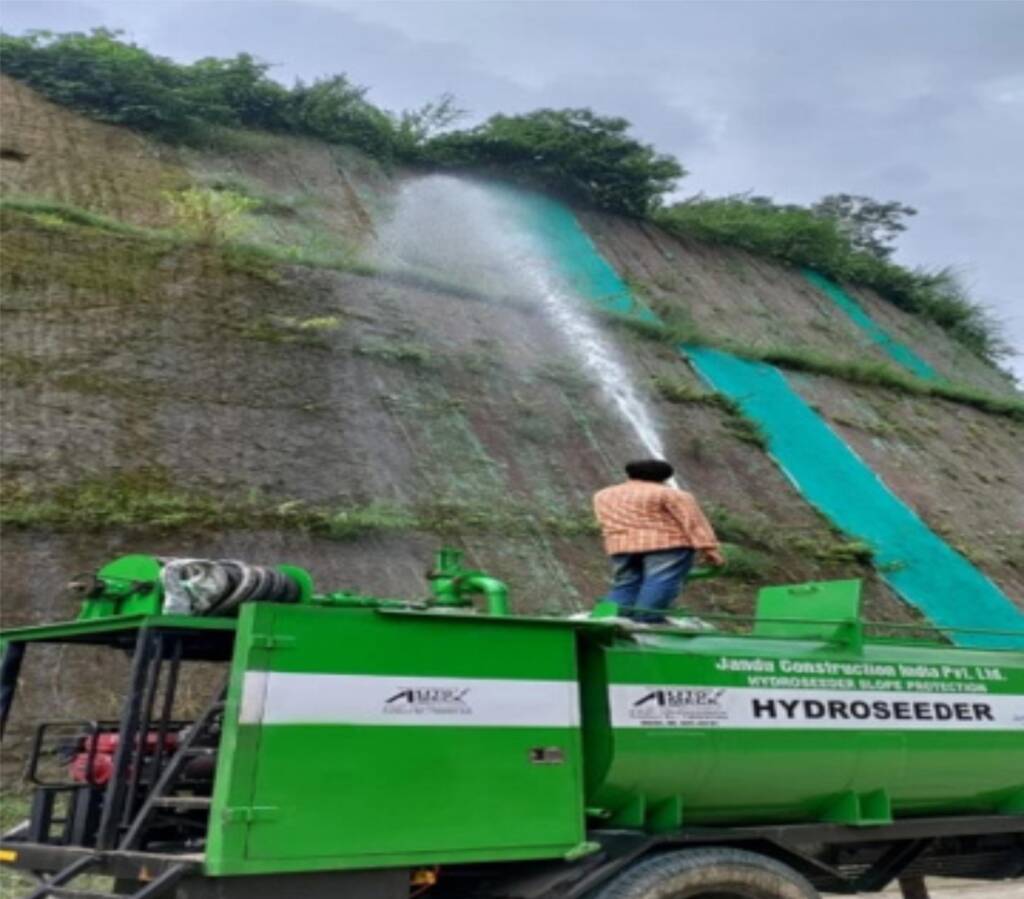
(642,516)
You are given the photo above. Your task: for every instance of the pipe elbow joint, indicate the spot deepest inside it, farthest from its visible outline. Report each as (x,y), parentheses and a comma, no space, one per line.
(495,593)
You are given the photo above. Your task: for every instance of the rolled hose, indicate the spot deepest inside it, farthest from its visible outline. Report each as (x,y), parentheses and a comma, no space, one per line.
(207,587)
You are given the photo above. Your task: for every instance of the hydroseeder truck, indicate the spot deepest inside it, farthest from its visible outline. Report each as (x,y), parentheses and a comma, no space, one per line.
(365,748)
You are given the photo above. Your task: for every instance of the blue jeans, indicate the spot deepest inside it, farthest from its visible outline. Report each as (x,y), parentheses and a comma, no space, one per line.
(645,584)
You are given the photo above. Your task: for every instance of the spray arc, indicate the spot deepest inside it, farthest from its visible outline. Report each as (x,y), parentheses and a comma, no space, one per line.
(488,238)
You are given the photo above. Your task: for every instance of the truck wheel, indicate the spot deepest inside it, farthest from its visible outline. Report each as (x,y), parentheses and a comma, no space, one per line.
(708,874)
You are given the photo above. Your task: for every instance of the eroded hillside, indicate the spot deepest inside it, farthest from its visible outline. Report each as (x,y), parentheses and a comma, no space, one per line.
(283,395)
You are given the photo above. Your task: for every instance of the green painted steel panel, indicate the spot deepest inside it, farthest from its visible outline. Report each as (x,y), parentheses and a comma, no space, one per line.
(84,629)
(359,739)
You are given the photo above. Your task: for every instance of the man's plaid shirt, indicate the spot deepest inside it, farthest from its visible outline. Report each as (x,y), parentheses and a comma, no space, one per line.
(642,516)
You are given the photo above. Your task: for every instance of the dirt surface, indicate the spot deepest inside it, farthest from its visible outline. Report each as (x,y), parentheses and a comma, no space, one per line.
(960,469)
(53,153)
(727,293)
(311,197)
(927,339)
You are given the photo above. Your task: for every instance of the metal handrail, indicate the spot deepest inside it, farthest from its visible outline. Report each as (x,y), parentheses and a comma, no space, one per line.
(848,621)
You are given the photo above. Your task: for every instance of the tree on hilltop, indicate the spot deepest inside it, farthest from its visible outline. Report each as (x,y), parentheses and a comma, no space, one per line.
(870,225)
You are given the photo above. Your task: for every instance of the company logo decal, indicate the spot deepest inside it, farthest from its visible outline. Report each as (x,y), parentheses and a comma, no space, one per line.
(429,701)
(678,706)
(278,697)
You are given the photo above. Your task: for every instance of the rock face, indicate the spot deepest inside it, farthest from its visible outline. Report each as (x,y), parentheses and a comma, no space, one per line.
(268,396)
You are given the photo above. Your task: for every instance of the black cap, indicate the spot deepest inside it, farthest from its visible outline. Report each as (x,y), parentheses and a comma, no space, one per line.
(649,470)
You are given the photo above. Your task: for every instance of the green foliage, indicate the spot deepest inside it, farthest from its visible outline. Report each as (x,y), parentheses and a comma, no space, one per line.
(755,223)
(879,374)
(406,351)
(52,214)
(677,391)
(737,424)
(733,528)
(871,226)
(671,329)
(874,374)
(255,259)
(112,80)
(805,237)
(285,329)
(755,546)
(575,152)
(416,127)
(337,111)
(149,498)
(572,151)
(211,216)
(105,78)
(748,431)
(744,564)
(837,551)
(850,551)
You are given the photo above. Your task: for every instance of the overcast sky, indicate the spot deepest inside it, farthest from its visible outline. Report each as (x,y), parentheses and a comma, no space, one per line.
(920,102)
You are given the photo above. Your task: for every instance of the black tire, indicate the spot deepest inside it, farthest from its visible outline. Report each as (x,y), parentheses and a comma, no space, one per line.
(708,874)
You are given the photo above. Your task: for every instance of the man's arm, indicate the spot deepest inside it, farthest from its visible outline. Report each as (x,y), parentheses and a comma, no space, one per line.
(684,509)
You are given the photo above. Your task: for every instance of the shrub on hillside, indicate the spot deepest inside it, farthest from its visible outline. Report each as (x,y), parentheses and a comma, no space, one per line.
(114,81)
(803,237)
(210,216)
(575,152)
(105,78)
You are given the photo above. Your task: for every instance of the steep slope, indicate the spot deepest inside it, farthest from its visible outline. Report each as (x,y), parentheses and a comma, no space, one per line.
(172,395)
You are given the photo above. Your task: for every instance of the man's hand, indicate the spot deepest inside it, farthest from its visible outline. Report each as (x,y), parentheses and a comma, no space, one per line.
(714,557)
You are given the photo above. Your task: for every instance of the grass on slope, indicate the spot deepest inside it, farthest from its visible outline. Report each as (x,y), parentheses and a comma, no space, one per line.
(54,215)
(147,498)
(875,374)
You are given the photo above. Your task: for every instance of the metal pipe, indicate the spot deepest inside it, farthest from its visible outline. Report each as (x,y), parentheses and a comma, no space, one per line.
(13,654)
(127,731)
(494,592)
(453,585)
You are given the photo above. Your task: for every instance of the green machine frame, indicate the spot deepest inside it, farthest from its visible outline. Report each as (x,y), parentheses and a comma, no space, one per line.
(366,743)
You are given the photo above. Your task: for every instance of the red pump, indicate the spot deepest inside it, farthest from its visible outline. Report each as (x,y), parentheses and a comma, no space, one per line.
(95,765)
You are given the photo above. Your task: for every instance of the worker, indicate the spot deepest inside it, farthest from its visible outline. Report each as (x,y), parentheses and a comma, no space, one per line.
(652,532)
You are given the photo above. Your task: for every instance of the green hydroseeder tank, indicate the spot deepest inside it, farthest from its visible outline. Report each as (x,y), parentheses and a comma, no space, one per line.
(801,720)
(366,733)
